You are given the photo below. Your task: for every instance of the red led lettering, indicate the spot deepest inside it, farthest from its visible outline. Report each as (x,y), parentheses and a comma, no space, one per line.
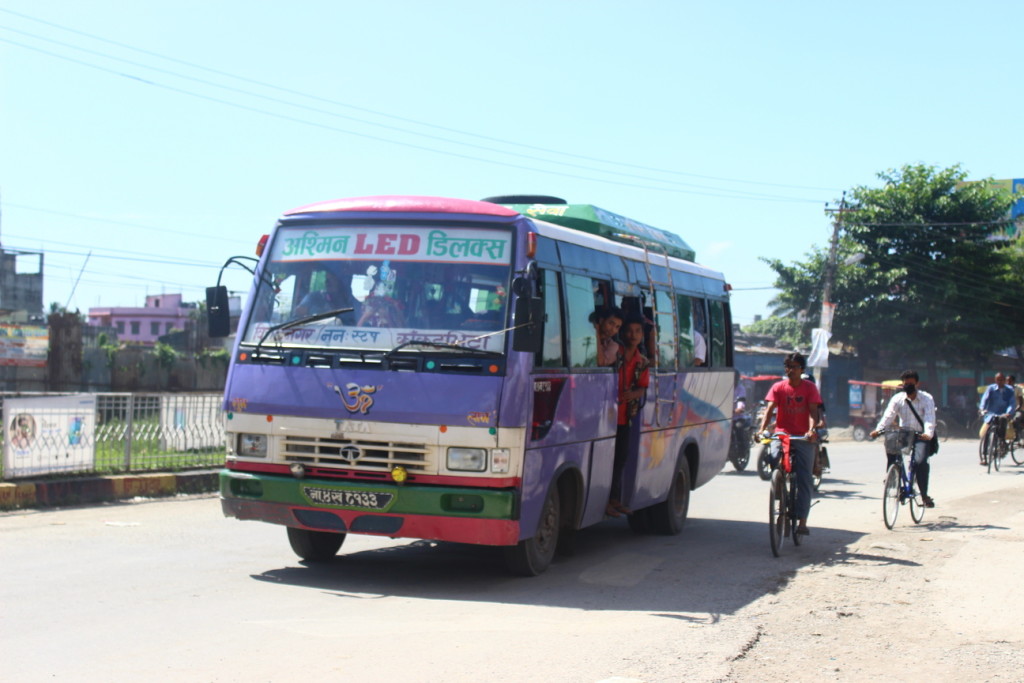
(386,244)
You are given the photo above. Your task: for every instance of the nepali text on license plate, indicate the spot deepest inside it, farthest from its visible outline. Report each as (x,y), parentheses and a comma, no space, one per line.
(360,499)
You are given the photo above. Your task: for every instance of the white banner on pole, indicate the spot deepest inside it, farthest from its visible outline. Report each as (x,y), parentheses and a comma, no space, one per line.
(819,348)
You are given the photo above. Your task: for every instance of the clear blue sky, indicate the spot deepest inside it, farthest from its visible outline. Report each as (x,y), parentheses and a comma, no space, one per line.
(164,137)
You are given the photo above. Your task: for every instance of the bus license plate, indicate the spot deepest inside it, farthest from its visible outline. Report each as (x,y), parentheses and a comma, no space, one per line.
(372,500)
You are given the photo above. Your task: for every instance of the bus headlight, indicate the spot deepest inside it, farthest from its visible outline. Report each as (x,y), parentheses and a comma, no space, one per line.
(252,445)
(500,460)
(467,459)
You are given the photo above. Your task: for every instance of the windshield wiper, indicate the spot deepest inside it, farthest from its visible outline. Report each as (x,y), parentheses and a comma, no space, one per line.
(441,345)
(300,321)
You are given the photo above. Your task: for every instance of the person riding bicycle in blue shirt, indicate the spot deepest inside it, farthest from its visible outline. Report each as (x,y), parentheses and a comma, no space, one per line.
(923,422)
(998,400)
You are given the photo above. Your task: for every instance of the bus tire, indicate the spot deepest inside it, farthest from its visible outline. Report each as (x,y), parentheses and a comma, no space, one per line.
(668,516)
(532,556)
(640,521)
(314,546)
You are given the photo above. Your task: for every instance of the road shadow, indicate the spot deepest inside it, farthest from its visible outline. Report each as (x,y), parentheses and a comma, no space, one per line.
(854,492)
(714,567)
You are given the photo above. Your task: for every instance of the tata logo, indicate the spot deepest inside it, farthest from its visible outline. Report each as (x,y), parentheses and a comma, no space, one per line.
(350,454)
(354,426)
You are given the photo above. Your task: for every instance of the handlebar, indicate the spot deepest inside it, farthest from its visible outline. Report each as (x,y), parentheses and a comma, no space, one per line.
(765,436)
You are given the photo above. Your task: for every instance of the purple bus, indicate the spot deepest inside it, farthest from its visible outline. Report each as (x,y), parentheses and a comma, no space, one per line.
(423,367)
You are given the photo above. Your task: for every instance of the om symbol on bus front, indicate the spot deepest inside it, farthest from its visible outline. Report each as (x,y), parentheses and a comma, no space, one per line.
(356,398)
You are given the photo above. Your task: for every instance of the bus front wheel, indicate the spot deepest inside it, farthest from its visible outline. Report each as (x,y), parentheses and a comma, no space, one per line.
(668,516)
(314,546)
(533,556)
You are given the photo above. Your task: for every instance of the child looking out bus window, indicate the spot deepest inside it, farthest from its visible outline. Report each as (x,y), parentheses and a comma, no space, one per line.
(634,376)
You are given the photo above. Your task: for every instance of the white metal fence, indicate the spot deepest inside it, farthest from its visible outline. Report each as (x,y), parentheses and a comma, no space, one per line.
(47,434)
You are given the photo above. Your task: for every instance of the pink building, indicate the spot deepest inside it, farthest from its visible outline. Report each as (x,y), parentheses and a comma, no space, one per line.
(161,314)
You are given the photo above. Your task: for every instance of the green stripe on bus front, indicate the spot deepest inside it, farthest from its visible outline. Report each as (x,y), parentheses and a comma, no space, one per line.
(407,499)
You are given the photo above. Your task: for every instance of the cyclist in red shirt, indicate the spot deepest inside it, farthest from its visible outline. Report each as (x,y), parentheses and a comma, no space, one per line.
(798,403)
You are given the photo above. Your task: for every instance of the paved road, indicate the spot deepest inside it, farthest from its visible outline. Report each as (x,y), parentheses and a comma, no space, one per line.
(171,590)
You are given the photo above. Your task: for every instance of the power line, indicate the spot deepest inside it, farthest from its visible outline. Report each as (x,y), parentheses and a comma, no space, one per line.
(140,257)
(375,112)
(165,231)
(675,185)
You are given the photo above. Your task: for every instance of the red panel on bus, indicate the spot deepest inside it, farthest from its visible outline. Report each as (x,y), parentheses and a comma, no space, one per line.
(404,204)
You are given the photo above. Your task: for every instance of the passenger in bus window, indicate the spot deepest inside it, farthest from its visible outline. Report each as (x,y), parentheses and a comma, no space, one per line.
(607,322)
(381,308)
(634,376)
(700,348)
(335,293)
(700,345)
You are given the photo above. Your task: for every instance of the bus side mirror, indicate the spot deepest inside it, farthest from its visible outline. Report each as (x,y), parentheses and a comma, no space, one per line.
(529,324)
(218,317)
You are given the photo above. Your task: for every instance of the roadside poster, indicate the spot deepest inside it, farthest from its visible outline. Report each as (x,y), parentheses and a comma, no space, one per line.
(49,434)
(24,345)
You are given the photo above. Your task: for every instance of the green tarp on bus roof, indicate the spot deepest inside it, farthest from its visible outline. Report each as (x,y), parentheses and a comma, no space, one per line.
(597,221)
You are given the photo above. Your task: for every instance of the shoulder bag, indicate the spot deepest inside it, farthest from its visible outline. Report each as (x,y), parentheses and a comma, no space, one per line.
(933,443)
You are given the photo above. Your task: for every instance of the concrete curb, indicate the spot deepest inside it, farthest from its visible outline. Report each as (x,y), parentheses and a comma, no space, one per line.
(85,490)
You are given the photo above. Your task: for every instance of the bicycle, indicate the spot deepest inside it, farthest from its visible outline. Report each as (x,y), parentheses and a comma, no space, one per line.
(1017,444)
(900,485)
(993,447)
(782,499)
(821,461)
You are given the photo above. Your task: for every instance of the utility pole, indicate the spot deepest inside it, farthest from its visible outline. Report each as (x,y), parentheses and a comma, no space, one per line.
(827,307)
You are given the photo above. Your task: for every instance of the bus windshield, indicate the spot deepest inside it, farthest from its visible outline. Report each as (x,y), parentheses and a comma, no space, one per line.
(444,286)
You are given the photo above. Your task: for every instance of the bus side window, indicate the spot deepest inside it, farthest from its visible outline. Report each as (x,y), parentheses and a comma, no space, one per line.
(582,295)
(552,353)
(666,336)
(717,341)
(684,310)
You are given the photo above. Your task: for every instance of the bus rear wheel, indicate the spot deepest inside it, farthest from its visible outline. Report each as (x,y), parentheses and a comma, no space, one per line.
(314,546)
(668,516)
(533,556)
(640,521)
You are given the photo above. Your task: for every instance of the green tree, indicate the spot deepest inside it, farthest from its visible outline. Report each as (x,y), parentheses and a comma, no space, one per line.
(929,282)
(789,332)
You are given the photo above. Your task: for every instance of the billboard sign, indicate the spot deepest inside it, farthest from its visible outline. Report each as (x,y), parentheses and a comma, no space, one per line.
(24,345)
(49,435)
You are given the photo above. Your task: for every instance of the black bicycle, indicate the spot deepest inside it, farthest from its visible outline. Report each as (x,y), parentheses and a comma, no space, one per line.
(993,447)
(1016,444)
(900,484)
(782,521)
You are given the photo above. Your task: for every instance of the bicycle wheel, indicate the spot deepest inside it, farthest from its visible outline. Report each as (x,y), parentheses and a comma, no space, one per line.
(941,430)
(985,448)
(991,442)
(891,496)
(916,504)
(777,511)
(816,471)
(997,455)
(791,520)
(1017,451)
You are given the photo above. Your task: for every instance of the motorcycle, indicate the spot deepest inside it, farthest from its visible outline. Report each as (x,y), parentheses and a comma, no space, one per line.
(742,436)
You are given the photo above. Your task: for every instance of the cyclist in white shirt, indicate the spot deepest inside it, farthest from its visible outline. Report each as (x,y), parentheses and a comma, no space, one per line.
(924,422)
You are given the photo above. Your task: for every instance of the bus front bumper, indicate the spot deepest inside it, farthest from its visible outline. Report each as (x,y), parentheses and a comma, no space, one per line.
(456,514)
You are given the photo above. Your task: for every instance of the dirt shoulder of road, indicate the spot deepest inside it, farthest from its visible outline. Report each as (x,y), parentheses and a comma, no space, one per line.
(939,601)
